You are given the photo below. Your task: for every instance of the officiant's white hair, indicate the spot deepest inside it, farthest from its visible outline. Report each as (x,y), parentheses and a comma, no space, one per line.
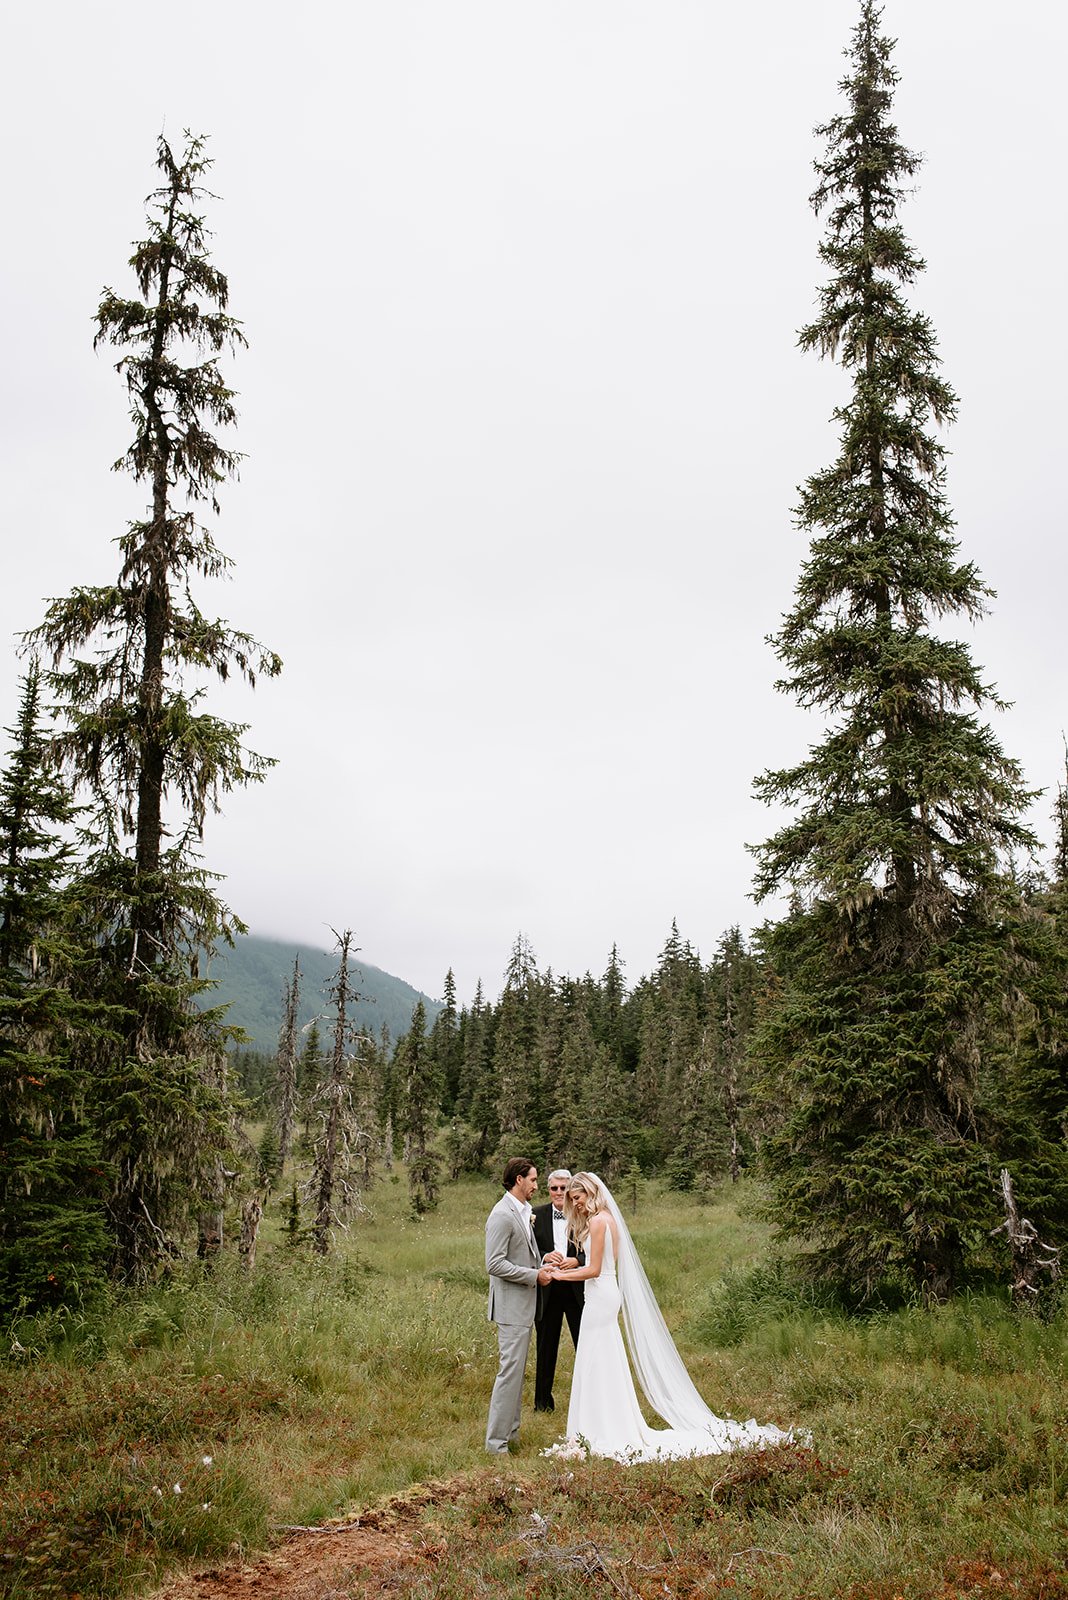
(560,1172)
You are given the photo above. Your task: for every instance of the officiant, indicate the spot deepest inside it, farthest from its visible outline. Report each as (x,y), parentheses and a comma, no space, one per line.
(557,1300)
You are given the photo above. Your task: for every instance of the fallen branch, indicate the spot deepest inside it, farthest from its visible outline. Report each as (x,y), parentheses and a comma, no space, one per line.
(757,1550)
(322,1527)
(586,1558)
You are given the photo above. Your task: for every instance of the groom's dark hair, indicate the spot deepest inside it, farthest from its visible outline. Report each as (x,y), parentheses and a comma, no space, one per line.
(517,1168)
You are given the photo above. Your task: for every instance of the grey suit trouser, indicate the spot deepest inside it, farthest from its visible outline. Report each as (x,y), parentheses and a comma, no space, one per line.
(513,1339)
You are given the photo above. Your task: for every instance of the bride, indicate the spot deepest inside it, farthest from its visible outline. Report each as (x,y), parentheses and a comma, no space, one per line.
(604,1411)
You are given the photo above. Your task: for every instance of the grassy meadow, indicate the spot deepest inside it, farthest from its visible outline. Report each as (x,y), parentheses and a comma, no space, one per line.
(192,1425)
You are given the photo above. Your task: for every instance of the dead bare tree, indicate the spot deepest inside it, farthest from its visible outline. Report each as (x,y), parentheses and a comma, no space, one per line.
(251,1215)
(1030,1256)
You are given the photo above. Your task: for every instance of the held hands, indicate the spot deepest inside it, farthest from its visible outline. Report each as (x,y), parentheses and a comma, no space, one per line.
(562,1266)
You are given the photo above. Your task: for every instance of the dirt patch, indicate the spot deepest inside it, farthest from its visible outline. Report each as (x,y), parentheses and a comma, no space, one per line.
(372,1552)
(312,1566)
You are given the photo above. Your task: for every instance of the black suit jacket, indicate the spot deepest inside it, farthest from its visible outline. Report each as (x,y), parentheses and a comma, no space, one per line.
(543,1235)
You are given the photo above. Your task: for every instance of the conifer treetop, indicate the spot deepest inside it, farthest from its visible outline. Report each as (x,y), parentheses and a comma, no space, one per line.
(909,801)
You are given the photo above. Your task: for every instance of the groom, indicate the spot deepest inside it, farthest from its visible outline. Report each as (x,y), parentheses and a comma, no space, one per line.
(513,1262)
(559,1300)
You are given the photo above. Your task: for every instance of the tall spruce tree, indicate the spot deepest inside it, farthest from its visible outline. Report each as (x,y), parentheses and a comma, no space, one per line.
(733,977)
(610,1027)
(309,1072)
(53,1242)
(419,1070)
(367,1074)
(1024,1079)
(515,1051)
(477,1099)
(445,1046)
(333,1186)
(672,1016)
(128,665)
(896,953)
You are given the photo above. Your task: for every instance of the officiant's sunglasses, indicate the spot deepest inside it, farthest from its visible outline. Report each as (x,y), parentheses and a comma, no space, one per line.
(561,1186)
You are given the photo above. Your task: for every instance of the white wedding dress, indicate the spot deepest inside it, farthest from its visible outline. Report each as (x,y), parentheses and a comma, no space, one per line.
(604,1411)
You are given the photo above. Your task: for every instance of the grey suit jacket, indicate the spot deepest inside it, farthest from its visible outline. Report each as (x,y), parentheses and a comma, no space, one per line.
(512,1261)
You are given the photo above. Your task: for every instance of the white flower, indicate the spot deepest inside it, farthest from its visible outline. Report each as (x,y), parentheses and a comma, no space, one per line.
(575,1448)
(157,1490)
(206,1460)
(177,1488)
(205,1505)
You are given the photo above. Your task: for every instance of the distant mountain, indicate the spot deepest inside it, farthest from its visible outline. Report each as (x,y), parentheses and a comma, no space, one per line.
(249,979)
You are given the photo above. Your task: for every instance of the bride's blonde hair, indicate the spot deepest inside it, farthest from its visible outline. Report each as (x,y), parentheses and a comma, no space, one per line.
(586,1184)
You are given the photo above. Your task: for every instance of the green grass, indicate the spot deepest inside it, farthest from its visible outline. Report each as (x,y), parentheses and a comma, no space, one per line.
(939,1448)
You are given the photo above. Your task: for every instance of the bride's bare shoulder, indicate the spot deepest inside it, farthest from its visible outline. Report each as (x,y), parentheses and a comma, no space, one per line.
(602,1225)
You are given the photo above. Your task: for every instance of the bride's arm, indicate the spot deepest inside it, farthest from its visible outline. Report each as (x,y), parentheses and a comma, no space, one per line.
(594,1253)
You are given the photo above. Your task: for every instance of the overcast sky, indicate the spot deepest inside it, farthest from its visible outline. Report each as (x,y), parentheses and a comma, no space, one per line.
(524,420)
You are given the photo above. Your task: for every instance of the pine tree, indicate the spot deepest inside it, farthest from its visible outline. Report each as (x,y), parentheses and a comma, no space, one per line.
(332,1185)
(36,815)
(477,1100)
(367,1069)
(445,1046)
(733,985)
(515,1056)
(701,1140)
(309,1075)
(386,1096)
(1024,1075)
(294,1232)
(895,957)
(418,1068)
(671,1010)
(136,740)
(570,1144)
(610,1027)
(653,1051)
(53,1243)
(270,1157)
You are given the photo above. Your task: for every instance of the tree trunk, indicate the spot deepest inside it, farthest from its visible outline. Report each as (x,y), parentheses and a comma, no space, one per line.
(1030,1257)
(209,1237)
(251,1213)
(287,1069)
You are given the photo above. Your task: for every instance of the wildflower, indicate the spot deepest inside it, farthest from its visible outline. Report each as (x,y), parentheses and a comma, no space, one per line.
(205,1505)
(206,1460)
(157,1490)
(575,1448)
(177,1488)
